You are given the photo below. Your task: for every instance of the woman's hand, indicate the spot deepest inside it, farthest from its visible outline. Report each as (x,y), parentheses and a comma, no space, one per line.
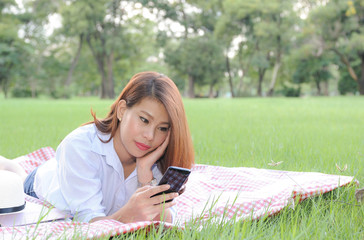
(141,207)
(145,163)
(182,190)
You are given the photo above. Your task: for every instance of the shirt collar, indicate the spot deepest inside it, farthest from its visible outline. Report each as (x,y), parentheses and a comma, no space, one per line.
(107,150)
(98,143)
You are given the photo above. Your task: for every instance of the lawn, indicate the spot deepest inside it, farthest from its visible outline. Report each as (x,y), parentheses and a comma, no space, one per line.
(307,134)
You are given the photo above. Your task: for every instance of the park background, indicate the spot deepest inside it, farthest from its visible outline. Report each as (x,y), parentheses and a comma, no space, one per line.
(238,59)
(217,48)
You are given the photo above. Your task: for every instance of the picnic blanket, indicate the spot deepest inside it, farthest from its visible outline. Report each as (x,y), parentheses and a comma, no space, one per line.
(212,192)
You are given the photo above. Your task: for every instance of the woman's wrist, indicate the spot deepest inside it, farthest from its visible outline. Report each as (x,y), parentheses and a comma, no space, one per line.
(152,182)
(167,216)
(145,176)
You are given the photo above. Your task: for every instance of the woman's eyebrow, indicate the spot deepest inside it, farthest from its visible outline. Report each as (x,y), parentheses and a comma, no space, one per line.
(151,116)
(147,113)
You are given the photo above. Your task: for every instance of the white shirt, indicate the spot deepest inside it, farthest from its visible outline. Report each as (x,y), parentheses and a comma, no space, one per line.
(86,177)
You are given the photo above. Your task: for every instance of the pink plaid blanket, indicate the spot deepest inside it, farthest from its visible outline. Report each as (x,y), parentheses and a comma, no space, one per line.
(212,192)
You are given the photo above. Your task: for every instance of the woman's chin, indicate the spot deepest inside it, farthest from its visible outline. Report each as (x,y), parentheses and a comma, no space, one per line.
(139,154)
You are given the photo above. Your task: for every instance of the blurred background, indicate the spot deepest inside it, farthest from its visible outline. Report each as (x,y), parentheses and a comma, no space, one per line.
(215,48)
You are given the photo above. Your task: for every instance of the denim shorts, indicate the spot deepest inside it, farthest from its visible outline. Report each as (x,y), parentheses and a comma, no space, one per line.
(29,184)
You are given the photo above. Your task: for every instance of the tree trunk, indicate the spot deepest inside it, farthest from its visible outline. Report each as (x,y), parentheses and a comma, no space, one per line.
(276,68)
(100,59)
(347,64)
(5,87)
(103,83)
(361,80)
(110,77)
(318,87)
(261,76)
(191,87)
(5,92)
(74,63)
(326,87)
(211,91)
(229,74)
(110,56)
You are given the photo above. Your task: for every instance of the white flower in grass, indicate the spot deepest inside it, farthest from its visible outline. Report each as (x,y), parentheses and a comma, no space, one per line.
(274,164)
(342,169)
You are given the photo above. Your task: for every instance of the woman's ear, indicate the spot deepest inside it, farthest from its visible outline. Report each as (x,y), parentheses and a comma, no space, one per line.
(120,109)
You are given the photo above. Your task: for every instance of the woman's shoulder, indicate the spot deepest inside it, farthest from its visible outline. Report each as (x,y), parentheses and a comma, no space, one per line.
(81,138)
(86,137)
(83,133)
(80,144)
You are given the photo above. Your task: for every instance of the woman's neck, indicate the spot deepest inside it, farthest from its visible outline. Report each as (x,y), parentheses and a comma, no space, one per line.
(125,158)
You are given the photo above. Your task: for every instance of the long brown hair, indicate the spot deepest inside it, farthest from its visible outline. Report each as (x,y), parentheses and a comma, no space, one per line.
(155,85)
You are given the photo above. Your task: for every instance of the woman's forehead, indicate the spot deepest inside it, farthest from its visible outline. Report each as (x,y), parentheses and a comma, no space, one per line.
(153,108)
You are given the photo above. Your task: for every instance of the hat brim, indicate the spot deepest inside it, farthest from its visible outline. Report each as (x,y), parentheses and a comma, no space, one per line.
(12,210)
(32,213)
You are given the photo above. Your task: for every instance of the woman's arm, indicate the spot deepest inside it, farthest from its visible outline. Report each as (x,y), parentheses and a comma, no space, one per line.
(167,217)
(142,207)
(145,163)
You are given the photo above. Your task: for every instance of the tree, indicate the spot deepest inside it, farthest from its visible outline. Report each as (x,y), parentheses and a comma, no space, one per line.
(103,27)
(200,59)
(195,22)
(265,29)
(339,24)
(10,44)
(32,46)
(313,69)
(281,17)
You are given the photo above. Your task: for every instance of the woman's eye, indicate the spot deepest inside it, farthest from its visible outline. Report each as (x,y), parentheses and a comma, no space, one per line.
(144,120)
(163,129)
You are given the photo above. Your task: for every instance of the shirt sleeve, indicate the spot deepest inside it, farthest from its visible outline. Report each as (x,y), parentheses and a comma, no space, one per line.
(173,210)
(79,179)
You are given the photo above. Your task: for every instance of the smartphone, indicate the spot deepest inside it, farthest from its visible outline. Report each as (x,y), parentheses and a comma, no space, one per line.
(174,177)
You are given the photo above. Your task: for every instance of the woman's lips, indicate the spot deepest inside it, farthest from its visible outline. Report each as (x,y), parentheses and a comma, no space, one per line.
(142,146)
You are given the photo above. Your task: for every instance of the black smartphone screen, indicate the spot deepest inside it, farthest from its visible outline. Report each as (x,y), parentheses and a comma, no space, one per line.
(175,177)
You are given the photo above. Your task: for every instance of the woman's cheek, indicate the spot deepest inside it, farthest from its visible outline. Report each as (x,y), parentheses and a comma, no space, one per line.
(161,139)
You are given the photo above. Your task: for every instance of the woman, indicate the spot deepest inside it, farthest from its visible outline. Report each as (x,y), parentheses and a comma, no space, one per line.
(105,168)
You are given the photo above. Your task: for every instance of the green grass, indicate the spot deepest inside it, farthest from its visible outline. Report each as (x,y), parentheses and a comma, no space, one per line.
(311,134)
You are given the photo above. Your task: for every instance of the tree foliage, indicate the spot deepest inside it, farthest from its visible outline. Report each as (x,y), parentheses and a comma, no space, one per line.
(245,47)
(10,44)
(339,27)
(200,59)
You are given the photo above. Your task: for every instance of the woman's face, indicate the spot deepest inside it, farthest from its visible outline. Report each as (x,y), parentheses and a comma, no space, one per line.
(143,127)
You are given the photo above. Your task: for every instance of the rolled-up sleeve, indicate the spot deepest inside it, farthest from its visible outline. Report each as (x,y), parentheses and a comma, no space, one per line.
(173,210)
(79,179)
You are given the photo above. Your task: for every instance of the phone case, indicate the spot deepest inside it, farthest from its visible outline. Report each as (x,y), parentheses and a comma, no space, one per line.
(175,177)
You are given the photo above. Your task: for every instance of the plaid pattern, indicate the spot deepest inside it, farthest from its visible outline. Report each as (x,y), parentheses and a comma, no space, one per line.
(211,192)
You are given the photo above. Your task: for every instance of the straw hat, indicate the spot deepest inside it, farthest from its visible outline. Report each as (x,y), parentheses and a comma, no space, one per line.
(12,196)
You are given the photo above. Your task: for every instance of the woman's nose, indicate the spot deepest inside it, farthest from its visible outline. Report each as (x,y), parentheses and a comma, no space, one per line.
(149,134)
